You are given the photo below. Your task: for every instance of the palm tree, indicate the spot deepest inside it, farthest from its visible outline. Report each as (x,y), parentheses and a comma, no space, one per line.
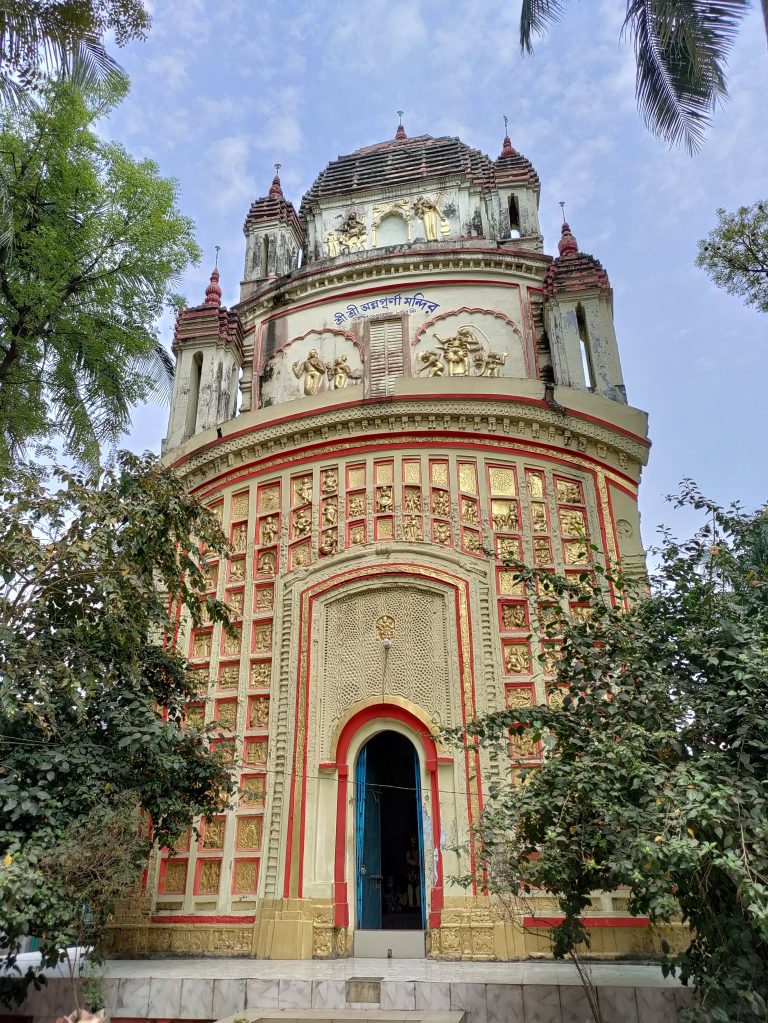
(681,49)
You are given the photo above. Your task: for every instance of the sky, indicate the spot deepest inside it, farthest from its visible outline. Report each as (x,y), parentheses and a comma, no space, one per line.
(223,91)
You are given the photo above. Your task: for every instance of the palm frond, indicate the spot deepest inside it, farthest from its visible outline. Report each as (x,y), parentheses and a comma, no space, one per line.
(536,16)
(159,367)
(681,47)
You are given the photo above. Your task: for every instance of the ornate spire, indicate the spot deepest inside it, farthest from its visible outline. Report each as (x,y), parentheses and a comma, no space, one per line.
(400,133)
(213,291)
(567,246)
(276,188)
(506,149)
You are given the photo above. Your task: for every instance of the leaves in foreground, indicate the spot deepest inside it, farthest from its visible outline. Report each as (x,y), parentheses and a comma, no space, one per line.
(655,757)
(92,696)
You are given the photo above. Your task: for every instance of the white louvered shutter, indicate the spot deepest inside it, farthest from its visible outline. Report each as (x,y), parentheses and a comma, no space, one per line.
(385,358)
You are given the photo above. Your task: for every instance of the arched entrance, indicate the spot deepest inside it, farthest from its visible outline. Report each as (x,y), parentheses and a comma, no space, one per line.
(389,835)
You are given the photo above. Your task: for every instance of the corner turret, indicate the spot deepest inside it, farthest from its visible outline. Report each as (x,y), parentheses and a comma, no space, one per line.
(578,318)
(274,237)
(208,345)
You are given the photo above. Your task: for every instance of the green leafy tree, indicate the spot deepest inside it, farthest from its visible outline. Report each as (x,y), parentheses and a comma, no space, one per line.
(92,698)
(681,51)
(655,758)
(63,38)
(98,244)
(735,254)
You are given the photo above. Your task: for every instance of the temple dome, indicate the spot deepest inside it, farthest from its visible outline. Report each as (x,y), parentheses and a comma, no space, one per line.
(403,161)
(573,270)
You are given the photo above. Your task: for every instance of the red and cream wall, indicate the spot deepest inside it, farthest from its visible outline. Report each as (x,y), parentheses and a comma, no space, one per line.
(341,514)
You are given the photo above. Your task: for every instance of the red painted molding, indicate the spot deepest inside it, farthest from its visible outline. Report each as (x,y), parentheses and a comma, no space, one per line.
(588,921)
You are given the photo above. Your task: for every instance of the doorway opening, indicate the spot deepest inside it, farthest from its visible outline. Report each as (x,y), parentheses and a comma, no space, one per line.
(389,835)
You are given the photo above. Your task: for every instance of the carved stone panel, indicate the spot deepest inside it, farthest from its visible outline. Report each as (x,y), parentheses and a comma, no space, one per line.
(415,666)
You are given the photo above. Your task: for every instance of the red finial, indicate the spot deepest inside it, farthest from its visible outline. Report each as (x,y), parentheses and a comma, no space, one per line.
(213,291)
(506,149)
(276,188)
(567,246)
(400,133)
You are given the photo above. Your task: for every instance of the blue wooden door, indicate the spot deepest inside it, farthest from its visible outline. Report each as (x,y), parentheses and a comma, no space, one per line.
(368,842)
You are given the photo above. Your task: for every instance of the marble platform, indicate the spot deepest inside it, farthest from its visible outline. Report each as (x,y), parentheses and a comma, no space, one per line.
(516,992)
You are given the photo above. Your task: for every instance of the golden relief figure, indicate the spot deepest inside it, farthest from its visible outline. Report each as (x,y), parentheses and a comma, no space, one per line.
(441,504)
(175,878)
(535,485)
(468,511)
(265,598)
(194,716)
(261,673)
(237,570)
(569,492)
(201,646)
(240,506)
(352,233)
(329,481)
(383,500)
(504,516)
(269,530)
(269,499)
(246,873)
(199,678)
(256,753)
(302,522)
(520,696)
(329,543)
(412,529)
(208,878)
(385,627)
(259,712)
(356,506)
(232,642)
(210,576)
(235,602)
(330,512)
(510,584)
(431,364)
(249,832)
(513,616)
(226,716)
(229,678)
(412,500)
(302,490)
(428,211)
(262,637)
(542,555)
(357,535)
(266,563)
(301,555)
(509,549)
(539,517)
(340,373)
(575,552)
(252,789)
(572,522)
(311,371)
(472,541)
(240,538)
(213,833)
(517,659)
(442,533)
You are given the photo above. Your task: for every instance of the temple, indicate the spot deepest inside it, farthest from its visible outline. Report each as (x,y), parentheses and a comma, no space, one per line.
(409,391)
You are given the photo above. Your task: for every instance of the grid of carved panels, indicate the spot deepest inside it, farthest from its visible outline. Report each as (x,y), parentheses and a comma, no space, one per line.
(510,507)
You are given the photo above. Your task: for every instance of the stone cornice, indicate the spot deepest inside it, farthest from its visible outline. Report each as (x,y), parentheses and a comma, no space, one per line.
(332,276)
(329,432)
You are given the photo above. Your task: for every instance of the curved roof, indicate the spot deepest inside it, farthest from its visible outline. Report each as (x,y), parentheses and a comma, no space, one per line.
(573,270)
(403,161)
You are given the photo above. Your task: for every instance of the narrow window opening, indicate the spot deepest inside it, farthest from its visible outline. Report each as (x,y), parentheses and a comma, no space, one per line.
(586,348)
(514,217)
(265,256)
(193,399)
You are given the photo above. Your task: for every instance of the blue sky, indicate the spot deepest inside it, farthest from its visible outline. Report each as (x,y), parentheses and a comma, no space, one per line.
(223,91)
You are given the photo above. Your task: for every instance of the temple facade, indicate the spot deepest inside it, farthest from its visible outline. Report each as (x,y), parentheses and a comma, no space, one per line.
(409,392)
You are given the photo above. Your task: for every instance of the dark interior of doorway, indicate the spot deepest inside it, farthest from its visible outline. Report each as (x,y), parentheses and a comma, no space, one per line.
(392,758)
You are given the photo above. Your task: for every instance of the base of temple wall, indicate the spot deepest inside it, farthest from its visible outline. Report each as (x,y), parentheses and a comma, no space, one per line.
(471,929)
